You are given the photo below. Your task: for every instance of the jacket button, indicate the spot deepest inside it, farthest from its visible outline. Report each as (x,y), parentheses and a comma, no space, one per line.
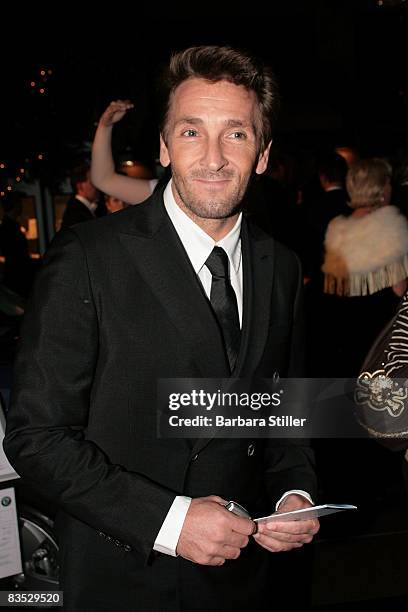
(251,450)
(127,547)
(194,458)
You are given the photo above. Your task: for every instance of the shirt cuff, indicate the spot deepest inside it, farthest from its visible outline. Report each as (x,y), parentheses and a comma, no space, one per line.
(168,536)
(294,492)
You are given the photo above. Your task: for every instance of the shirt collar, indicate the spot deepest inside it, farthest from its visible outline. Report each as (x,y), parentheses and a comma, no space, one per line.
(196,242)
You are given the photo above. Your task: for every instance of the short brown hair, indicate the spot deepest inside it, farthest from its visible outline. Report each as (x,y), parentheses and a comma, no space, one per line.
(366,180)
(79,174)
(224,63)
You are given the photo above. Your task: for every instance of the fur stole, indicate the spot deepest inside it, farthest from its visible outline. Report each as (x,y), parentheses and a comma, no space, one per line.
(366,254)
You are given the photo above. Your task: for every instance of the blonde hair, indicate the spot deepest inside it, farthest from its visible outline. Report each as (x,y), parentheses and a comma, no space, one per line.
(366,180)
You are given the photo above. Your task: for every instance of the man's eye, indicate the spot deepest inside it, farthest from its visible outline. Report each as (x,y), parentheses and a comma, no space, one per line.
(238,135)
(190,133)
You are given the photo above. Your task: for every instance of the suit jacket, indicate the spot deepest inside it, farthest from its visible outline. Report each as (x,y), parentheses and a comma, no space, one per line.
(75,212)
(116,306)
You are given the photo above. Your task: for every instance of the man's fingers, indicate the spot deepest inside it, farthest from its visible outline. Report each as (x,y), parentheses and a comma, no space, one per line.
(217,561)
(294,527)
(290,533)
(217,499)
(242,525)
(231,552)
(237,540)
(121,104)
(289,538)
(208,561)
(274,545)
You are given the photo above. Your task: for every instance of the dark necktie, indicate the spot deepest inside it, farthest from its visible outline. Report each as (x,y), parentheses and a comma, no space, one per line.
(224,302)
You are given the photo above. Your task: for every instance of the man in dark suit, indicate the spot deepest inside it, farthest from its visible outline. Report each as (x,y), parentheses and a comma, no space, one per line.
(332,176)
(331,203)
(81,206)
(129,299)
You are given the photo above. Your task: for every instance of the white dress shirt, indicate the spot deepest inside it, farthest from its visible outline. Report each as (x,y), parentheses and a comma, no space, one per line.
(198,246)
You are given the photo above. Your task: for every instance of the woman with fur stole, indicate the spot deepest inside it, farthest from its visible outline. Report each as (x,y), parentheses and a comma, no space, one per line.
(365,265)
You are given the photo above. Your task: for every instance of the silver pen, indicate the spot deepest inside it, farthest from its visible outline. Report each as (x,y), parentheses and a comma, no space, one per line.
(237,509)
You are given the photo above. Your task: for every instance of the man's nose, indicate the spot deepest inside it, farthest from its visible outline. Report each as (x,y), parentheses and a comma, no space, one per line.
(213,157)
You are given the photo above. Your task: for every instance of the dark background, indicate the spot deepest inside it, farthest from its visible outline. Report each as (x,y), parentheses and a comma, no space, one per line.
(341,65)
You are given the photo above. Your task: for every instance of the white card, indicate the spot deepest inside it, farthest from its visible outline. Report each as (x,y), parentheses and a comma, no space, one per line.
(305,513)
(6,470)
(10,554)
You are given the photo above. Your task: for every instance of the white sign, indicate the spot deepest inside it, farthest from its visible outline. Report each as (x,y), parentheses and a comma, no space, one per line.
(10,554)
(6,471)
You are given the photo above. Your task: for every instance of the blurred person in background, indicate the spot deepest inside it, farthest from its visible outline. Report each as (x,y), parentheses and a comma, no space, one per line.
(332,202)
(19,268)
(83,204)
(365,270)
(365,263)
(114,204)
(130,188)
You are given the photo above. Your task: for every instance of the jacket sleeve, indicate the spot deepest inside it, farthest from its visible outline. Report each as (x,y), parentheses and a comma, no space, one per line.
(46,426)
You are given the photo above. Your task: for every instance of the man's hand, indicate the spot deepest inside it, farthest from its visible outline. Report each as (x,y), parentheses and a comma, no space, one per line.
(211,534)
(115,112)
(283,536)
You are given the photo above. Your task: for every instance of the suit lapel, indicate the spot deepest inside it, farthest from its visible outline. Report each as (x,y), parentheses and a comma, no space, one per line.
(157,253)
(258,274)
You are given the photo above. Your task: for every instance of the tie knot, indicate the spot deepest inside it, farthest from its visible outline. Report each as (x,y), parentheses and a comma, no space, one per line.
(217,263)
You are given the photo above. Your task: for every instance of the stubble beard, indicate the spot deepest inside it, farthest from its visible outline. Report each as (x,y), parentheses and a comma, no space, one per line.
(215,206)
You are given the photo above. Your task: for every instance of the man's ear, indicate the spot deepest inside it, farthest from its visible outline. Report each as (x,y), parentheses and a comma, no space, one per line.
(164,153)
(263,160)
